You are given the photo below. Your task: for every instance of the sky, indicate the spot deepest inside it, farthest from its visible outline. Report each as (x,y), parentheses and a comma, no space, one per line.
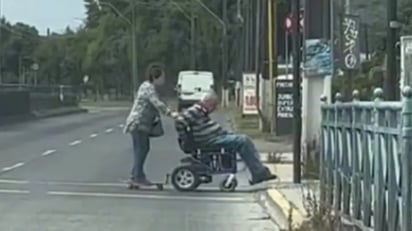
(43,14)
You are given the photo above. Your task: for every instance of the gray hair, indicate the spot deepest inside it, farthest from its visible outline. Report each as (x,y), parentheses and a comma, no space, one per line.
(209,96)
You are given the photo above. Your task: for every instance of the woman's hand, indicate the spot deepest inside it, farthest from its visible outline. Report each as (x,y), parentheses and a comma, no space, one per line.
(174,115)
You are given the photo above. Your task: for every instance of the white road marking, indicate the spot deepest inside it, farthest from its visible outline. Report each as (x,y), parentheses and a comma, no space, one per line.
(109,130)
(241,189)
(6,181)
(147,196)
(14,191)
(6,169)
(94,135)
(76,142)
(48,152)
(121,125)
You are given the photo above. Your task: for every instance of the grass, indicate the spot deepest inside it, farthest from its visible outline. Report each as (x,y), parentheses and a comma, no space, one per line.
(321,217)
(248,125)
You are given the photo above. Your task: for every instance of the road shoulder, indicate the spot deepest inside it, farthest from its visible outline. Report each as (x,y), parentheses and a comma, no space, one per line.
(42,114)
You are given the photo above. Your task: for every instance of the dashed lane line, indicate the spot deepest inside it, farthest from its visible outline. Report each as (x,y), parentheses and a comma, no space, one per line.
(109,130)
(76,142)
(51,151)
(14,191)
(48,152)
(18,165)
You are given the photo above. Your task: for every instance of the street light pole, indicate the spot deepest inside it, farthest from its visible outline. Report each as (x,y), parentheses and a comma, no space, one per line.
(224,35)
(393,25)
(1,53)
(192,42)
(296,92)
(224,48)
(132,23)
(135,80)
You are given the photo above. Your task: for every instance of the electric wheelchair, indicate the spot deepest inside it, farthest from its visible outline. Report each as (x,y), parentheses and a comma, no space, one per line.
(202,164)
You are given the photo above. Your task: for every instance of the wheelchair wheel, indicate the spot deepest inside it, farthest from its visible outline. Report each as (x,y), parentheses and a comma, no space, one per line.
(185,179)
(231,187)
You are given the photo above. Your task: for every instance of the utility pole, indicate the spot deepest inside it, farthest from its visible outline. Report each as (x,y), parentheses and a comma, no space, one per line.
(270,49)
(390,83)
(134,52)
(1,46)
(257,41)
(348,82)
(224,48)
(192,42)
(296,92)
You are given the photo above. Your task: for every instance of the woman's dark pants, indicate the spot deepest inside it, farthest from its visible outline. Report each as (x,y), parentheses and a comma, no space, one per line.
(141,147)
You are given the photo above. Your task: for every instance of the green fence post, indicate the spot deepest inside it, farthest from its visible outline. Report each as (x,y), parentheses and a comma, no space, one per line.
(356,182)
(406,223)
(323,152)
(378,181)
(336,156)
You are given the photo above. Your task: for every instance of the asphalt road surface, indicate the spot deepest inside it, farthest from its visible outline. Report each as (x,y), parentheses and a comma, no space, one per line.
(68,173)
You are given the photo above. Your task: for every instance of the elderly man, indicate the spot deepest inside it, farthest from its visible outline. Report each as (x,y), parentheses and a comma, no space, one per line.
(209,133)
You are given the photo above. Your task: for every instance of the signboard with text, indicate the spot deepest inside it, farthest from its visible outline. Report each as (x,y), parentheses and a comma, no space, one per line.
(406,61)
(249,94)
(350,42)
(284,107)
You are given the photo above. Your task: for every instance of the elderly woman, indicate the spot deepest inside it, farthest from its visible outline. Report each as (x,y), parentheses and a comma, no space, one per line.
(144,121)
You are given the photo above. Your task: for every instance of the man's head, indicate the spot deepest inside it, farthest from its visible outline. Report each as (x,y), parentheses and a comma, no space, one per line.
(210,101)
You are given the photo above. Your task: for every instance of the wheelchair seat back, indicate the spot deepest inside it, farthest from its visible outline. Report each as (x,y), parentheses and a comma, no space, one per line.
(186,139)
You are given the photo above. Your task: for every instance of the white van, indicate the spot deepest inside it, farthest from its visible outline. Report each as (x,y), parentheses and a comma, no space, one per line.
(191,86)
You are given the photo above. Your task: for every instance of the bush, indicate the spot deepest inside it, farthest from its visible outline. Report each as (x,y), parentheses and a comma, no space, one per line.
(320,215)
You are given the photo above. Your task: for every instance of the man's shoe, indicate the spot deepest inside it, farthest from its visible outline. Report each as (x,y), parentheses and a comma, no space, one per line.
(257,180)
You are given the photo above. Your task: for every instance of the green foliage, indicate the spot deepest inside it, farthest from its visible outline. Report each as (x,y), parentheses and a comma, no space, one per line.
(102,48)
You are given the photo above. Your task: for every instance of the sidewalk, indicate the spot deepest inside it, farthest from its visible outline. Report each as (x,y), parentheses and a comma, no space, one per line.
(288,201)
(293,200)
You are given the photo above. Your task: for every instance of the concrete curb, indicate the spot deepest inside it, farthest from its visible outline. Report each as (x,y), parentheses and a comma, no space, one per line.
(287,209)
(60,113)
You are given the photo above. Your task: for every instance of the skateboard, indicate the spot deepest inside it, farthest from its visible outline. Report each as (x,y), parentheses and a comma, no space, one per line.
(136,186)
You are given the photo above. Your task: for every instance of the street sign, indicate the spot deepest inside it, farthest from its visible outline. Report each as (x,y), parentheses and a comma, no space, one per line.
(284,106)
(350,42)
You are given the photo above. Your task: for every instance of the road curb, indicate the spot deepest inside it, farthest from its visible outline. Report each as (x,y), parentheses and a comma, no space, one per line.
(62,113)
(38,116)
(288,210)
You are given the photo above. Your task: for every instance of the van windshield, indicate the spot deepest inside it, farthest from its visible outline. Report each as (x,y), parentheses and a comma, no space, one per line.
(191,82)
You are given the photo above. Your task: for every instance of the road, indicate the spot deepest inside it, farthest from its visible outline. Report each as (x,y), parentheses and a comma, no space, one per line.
(68,173)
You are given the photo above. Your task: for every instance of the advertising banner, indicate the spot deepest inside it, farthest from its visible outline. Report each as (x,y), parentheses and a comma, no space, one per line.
(318,57)
(350,42)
